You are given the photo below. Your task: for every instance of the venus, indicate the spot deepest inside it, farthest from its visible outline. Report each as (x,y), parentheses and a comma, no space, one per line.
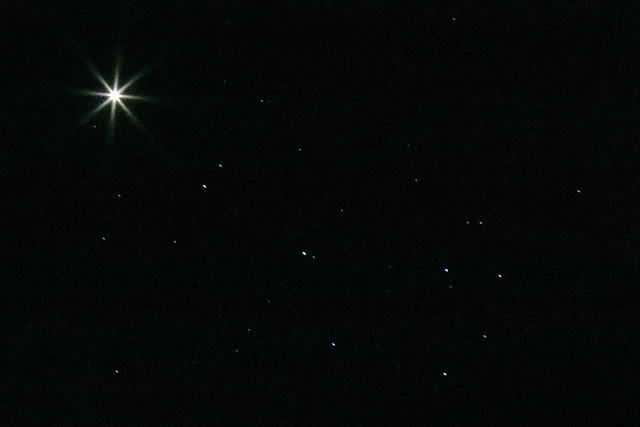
(115,96)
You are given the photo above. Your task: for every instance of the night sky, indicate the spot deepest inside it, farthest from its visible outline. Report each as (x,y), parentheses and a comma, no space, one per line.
(321,213)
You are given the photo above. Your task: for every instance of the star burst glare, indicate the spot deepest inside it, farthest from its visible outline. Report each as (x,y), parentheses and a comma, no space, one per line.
(115,97)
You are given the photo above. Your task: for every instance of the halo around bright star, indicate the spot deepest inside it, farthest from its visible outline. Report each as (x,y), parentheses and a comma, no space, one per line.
(114,95)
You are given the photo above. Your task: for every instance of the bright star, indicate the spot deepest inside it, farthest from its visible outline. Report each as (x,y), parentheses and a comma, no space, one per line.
(114,95)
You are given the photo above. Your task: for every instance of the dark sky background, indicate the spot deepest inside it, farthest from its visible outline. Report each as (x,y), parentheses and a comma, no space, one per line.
(344,213)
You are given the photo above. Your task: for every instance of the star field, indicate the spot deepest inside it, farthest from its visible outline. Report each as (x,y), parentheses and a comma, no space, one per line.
(333,214)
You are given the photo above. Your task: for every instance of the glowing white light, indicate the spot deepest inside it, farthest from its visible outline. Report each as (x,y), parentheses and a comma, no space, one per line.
(114,95)
(444,373)
(304,253)
(446,270)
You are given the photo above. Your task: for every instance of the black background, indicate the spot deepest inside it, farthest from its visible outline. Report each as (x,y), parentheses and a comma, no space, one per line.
(461,177)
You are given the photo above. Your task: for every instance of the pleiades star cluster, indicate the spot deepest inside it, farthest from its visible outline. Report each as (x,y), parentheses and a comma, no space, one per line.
(319,213)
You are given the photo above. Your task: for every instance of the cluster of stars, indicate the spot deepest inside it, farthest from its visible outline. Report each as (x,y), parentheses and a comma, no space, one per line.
(115,96)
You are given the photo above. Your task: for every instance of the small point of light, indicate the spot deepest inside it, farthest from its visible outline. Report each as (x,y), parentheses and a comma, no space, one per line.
(175,241)
(577,191)
(444,374)
(116,371)
(104,238)
(467,222)
(119,195)
(446,270)
(304,253)
(415,179)
(480,222)
(333,344)
(219,165)
(499,275)
(484,336)
(204,185)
